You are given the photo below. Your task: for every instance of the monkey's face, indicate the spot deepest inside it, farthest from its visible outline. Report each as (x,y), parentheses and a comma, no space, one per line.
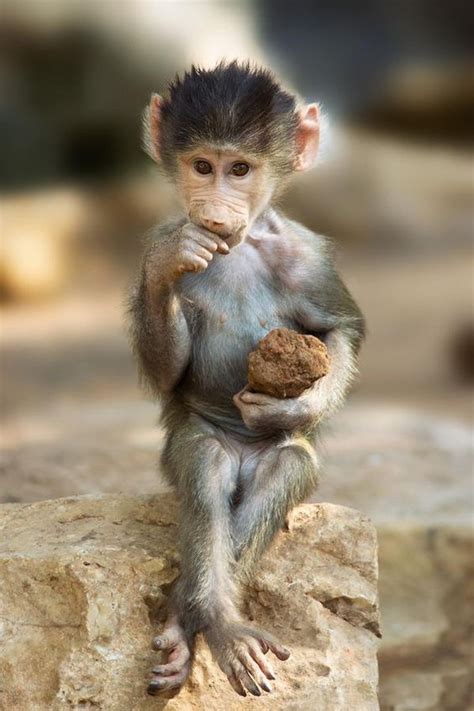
(224,190)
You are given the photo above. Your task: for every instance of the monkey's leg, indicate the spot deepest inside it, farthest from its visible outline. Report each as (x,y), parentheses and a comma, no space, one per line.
(284,477)
(205,476)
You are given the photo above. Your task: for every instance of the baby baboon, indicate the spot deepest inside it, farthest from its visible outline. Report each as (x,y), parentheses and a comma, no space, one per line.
(214,281)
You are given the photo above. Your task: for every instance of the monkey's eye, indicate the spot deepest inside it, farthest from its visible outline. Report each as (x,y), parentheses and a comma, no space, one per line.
(202,167)
(240,169)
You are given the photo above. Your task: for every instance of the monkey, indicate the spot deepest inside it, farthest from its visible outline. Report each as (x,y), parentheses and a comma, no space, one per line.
(214,280)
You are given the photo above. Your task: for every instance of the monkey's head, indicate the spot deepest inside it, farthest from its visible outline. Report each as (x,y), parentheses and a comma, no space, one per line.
(230,137)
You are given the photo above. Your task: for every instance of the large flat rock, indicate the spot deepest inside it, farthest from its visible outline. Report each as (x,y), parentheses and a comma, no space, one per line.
(84,586)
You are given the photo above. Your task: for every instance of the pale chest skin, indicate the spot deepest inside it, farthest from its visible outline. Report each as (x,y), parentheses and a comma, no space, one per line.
(230,306)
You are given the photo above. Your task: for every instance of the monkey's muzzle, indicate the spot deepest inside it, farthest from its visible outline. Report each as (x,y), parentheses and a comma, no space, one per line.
(223,221)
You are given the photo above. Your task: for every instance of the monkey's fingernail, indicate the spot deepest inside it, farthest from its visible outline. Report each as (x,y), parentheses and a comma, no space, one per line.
(271,676)
(265,686)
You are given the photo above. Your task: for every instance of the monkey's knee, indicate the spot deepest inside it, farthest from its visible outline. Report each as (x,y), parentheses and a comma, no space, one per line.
(297,462)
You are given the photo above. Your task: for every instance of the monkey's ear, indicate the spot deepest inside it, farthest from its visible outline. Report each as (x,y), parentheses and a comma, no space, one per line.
(307,137)
(152,126)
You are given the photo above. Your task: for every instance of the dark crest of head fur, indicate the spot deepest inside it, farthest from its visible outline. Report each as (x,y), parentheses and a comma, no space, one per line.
(234,104)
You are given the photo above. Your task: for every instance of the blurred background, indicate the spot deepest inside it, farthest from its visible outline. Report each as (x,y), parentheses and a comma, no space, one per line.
(394,189)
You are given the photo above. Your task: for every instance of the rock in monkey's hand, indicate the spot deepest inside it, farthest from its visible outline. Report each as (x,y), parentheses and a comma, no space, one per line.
(188,249)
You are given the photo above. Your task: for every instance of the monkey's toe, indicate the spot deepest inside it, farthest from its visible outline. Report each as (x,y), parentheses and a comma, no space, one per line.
(267,641)
(244,671)
(169,684)
(167,640)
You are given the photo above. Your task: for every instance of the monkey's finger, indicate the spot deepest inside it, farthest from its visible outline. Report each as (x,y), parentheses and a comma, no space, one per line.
(200,233)
(252,668)
(241,392)
(196,263)
(278,649)
(280,652)
(251,398)
(213,243)
(223,247)
(236,685)
(246,680)
(204,253)
(256,398)
(243,676)
(262,662)
(237,401)
(244,406)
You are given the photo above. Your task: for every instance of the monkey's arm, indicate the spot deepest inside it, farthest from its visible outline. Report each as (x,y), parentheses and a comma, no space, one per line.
(325,309)
(160,334)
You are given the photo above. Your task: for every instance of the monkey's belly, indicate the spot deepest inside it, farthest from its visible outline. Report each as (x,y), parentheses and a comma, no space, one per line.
(218,370)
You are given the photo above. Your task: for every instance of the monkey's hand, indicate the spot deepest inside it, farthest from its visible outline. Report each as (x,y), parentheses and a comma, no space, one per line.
(190,248)
(266,413)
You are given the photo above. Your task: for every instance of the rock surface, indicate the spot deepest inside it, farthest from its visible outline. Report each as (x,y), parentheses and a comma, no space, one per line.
(84,585)
(286,362)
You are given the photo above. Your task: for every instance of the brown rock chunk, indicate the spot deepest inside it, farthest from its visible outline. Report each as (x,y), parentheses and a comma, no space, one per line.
(286,362)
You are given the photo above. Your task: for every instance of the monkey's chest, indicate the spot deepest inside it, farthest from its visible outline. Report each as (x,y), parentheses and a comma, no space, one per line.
(227,319)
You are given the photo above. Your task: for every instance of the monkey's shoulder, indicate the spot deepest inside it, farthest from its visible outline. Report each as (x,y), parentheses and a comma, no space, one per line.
(315,243)
(293,253)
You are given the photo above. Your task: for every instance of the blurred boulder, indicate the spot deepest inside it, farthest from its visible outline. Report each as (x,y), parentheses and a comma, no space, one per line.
(37,232)
(55,240)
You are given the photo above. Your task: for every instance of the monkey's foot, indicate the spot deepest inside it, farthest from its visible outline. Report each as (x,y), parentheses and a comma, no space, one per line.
(168,678)
(239,651)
